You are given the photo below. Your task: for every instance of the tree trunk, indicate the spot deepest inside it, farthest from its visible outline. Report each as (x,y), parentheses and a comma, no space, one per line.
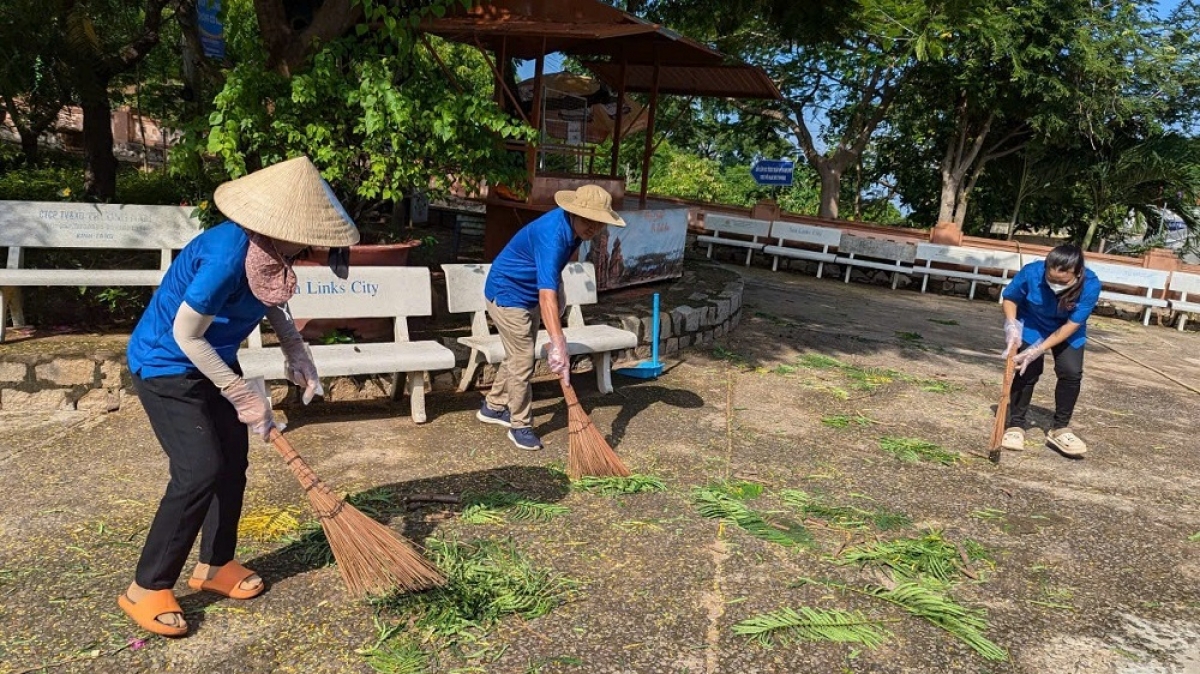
(29,144)
(1093,225)
(100,173)
(831,188)
(948,203)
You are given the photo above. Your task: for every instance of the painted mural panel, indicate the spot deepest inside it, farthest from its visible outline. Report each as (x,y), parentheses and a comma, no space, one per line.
(649,248)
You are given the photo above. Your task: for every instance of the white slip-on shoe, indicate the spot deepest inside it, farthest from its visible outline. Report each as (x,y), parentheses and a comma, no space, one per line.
(1066,442)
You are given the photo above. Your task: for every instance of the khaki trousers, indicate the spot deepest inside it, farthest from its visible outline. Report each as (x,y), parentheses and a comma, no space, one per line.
(518,330)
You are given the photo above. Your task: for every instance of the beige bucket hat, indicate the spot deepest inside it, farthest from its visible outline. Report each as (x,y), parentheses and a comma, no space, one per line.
(590,201)
(289,201)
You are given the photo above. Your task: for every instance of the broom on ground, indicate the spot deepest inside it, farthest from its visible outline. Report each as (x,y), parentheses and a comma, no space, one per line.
(372,558)
(998,426)
(588,452)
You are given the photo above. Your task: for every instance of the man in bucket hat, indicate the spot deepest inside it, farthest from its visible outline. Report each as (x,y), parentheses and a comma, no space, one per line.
(183,358)
(522,291)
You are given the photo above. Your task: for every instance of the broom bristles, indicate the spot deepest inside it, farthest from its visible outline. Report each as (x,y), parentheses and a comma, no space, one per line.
(373,559)
(588,452)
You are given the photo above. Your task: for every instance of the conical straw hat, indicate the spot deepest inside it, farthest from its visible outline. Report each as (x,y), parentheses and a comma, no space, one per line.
(288,201)
(592,202)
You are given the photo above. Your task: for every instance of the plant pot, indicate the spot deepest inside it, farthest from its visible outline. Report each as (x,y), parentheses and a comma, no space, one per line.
(364,255)
(369,255)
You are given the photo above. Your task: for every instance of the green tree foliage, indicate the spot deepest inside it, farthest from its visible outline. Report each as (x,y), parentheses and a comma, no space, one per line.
(373,109)
(103,39)
(33,75)
(1066,75)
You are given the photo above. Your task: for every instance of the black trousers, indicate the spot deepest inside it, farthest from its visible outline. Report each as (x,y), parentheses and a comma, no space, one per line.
(207,447)
(1068,368)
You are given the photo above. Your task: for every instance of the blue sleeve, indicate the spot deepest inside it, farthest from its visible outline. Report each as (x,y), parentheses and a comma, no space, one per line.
(1087,299)
(550,254)
(212,285)
(1019,287)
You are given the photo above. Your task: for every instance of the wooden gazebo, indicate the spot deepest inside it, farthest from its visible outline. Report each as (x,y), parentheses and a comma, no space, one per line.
(629,54)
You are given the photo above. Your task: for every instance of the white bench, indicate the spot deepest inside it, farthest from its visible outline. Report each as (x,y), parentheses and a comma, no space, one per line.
(861,251)
(464,293)
(34,224)
(987,266)
(1185,284)
(784,232)
(369,292)
(1153,280)
(729,224)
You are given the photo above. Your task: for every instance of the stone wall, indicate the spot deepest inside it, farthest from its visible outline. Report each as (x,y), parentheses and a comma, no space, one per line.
(55,382)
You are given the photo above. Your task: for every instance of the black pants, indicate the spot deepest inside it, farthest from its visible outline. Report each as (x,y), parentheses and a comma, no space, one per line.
(207,447)
(1068,368)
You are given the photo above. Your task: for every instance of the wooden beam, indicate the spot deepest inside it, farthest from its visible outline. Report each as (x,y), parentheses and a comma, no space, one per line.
(532,154)
(649,148)
(618,129)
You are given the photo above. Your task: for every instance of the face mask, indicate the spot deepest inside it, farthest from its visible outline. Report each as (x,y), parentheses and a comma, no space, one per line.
(1060,288)
(270,275)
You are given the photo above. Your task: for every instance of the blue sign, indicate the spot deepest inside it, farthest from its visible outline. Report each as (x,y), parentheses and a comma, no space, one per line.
(773,172)
(212,38)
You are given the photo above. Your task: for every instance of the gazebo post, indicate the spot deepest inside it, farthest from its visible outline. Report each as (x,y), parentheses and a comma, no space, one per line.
(649,148)
(502,71)
(619,129)
(536,114)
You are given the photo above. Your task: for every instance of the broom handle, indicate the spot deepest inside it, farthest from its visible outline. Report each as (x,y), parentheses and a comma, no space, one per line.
(1002,405)
(654,333)
(300,468)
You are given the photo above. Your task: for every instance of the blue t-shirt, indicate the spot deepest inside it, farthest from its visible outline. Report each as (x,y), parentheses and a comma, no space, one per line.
(533,260)
(1037,305)
(210,275)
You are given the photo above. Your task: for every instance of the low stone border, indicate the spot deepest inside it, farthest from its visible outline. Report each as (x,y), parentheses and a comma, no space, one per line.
(93,383)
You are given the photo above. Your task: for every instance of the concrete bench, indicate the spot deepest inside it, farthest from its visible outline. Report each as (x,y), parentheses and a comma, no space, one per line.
(985,266)
(1185,284)
(369,292)
(464,293)
(34,224)
(785,232)
(1133,278)
(892,256)
(720,224)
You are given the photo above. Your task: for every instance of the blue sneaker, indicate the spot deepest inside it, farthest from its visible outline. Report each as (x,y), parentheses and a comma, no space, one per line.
(490,416)
(524,438)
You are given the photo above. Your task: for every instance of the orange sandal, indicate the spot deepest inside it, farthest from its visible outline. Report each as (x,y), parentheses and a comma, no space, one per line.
(228,582)
(146,612)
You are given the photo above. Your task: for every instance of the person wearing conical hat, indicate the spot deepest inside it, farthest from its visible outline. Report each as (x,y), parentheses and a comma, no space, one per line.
(183,359)
(522,292)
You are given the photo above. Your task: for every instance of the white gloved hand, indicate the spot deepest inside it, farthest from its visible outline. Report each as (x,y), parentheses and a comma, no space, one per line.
(1012,336)
(299,369)
(1023,359)
(253,407)
(558,358)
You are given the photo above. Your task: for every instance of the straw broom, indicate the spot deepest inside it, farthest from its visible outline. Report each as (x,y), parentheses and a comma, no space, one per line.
(998,426)
(588,452)
(372,559)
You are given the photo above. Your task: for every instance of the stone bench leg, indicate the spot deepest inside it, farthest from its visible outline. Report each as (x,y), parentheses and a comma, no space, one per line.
(415,387)
(1179,325)
(602,363)
(474,362)
(1146,320)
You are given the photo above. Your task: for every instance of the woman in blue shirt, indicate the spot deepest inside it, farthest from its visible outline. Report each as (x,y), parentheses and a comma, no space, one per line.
(1046,308)
(183,358)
